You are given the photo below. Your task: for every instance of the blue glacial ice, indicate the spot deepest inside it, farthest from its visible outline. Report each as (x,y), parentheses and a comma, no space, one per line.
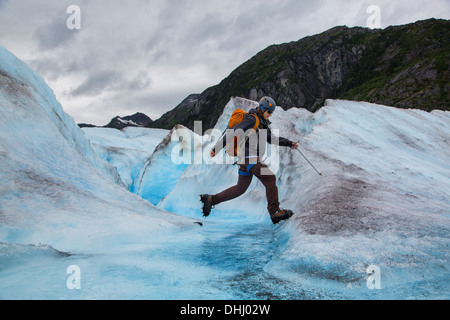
(121,206)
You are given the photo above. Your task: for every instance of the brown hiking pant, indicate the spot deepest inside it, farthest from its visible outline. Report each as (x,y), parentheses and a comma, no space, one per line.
(246,172)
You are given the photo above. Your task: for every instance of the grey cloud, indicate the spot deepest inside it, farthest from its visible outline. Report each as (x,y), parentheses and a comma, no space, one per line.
(2,2)
(140,82)
(294,9)
(55,33)
(109,80)
(56,63)
(96,83)
(120,41)
(151,103)
(209,27)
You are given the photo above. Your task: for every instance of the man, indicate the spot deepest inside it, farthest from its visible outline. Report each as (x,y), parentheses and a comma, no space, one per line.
(250,162)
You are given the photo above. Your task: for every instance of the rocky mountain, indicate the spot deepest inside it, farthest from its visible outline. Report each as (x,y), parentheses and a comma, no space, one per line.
(136,120)
(86,125)
(403,66)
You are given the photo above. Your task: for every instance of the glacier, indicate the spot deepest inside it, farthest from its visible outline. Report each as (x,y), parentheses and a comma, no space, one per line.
(123,206)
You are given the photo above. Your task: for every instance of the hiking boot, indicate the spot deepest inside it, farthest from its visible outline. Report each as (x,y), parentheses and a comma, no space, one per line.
(281,214)
(206,199)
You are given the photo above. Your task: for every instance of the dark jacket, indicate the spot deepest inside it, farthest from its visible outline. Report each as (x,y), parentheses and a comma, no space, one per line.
(255,142)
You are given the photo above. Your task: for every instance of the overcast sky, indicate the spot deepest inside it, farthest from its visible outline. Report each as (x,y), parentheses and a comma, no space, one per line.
(148,55)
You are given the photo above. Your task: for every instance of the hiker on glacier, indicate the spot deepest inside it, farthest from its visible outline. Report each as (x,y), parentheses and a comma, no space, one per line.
(250,164)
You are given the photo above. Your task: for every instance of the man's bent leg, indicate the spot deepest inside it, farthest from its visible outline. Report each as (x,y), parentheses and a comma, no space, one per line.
(233,192)
(269,180)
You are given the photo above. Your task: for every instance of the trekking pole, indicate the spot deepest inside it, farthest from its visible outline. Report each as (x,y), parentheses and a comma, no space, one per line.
(320,173)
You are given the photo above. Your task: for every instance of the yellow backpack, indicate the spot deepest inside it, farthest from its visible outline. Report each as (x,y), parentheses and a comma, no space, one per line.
(233,147)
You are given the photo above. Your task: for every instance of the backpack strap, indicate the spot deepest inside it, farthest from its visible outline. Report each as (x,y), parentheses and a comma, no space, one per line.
(255,127)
